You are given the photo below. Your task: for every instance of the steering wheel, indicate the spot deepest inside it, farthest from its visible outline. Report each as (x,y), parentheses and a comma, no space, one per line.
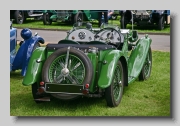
(109,36)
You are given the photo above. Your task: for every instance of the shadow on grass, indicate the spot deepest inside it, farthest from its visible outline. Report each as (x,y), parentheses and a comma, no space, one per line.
(81,103)
(16,74)
(23,96)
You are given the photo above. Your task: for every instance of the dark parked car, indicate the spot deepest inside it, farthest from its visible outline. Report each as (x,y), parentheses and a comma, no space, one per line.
(20,16)
(144,17)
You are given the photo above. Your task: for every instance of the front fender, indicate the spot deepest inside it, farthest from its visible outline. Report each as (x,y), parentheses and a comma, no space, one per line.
(137,58)
(34,68)
(24,53)
(108,68)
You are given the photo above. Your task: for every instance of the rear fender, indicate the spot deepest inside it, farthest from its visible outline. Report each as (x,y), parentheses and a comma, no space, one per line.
(34,68)
(24,53)
(137,58)
(108,68)
(87,14)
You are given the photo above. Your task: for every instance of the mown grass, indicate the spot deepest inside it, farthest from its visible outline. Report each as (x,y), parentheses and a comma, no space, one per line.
(147,98)
(31,23)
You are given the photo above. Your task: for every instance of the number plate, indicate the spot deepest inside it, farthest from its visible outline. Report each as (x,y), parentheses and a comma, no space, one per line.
(63,88)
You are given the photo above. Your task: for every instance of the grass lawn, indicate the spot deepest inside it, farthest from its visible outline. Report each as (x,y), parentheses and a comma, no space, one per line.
(31,23)
(148,98)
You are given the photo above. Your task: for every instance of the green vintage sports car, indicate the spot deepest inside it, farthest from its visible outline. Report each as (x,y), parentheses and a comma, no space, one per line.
(90,63)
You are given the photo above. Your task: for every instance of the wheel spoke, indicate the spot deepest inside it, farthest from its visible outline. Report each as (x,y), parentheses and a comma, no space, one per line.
(69,66)
(75,79)
(76,66)
(59,78)
(71,79)
(67,57)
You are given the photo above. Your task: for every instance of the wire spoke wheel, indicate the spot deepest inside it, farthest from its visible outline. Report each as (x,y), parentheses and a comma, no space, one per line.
(117,84)
(75,70)
(146,69)
(114,92)
(67,66)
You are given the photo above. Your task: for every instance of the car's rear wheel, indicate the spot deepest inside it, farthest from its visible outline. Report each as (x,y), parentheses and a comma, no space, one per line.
(114,92)
(46,19)
(78,69)
(146,70)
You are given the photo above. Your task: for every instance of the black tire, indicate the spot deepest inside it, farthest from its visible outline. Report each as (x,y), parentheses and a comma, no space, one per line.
(46,19)
(19,17)
(146,69)
(123,22)
(78,17)
(161,23)
(36,45)
(109,91)
(60,55)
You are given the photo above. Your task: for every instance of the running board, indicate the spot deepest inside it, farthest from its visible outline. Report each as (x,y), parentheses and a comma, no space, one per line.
(43,99)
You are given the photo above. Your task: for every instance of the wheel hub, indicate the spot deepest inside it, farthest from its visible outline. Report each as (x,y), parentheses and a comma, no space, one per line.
(65,71)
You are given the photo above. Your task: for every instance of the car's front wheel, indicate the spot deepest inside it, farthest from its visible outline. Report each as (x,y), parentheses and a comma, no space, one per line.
(146,70)
(114,92)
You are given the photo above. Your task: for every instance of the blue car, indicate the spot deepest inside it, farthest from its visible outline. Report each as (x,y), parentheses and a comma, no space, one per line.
(19,59)
(13,44)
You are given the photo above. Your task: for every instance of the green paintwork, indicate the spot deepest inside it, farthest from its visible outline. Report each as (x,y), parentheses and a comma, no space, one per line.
(94,61)
(53,17)
(34,69)
(90,14)
(107,70)
(137,58)
(75,11)
(104,64)
(94,15)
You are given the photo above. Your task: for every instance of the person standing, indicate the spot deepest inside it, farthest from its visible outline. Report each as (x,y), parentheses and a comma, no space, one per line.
(105,14)
(110,13)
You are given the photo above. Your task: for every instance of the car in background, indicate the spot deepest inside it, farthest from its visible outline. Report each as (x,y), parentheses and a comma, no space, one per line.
(19,58)
(72,16)
(20,16)
(145,17)
(13,44)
